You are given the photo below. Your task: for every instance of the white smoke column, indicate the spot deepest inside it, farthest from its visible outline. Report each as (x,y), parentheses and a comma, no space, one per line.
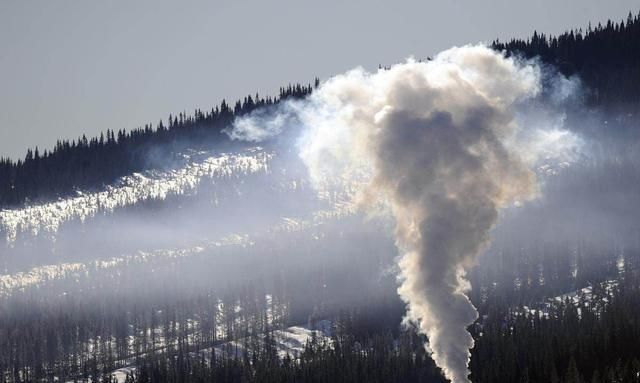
(441,145)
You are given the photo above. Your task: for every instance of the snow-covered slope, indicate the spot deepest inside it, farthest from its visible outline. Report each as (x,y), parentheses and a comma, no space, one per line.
(133,189)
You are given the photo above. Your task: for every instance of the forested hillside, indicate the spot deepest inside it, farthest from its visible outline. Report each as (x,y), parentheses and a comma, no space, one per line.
(606,57)
(88,163)
(261,277)
(569,343)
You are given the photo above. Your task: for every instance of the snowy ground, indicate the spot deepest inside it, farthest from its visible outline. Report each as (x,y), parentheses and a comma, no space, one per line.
(157,185)
(288,342)
(595,295)
(131,190)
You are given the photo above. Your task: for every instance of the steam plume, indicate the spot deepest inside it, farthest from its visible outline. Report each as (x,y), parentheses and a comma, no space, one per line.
(440,142)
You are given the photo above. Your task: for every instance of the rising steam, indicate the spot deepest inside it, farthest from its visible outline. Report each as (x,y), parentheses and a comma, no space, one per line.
(441,145)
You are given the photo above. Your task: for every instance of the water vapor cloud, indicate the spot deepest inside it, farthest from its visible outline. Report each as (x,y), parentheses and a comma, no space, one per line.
(444,153)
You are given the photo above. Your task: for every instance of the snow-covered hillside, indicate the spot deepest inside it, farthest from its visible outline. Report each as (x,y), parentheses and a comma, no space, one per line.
(132,189)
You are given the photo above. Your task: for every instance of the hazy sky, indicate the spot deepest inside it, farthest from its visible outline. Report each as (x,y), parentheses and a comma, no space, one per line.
(74,67)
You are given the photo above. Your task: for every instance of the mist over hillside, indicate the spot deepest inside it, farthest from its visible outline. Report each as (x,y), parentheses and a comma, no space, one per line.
(472,217)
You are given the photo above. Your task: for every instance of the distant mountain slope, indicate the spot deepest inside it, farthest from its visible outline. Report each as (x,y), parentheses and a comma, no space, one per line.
(91,163)
(607,59)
